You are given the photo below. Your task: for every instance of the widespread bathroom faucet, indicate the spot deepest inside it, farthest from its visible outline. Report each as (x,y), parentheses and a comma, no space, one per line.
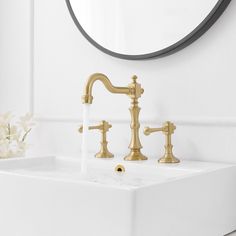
(134,91)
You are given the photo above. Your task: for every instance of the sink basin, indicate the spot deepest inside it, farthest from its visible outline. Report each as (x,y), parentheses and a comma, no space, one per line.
(47,196)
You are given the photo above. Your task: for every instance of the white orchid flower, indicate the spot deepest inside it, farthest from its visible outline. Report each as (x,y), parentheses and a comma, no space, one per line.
(14,132)
(12,136)
(26,122)
(3,133)
(5,119)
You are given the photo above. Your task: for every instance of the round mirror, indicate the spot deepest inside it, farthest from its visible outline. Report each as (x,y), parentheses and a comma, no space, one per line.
(144,29)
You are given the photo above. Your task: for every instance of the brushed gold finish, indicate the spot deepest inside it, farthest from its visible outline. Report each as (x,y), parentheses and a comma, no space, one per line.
(88,98)
(120,168)
(134,91)
(104,127)
(168,129)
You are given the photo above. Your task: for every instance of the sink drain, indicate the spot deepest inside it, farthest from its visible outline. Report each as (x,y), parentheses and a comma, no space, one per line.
(120,168)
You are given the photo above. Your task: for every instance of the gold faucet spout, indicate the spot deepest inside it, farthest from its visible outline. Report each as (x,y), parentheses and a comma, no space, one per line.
(88,98)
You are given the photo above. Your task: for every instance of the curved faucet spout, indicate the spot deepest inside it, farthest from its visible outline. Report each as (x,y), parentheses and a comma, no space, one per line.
(88,98)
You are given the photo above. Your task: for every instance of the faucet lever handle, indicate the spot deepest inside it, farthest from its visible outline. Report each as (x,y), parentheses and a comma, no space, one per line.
(80,130)
(168,129)
(104,127)
(147,130)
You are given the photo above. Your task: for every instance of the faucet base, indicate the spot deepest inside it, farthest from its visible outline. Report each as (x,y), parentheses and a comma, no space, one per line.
(104,155)
(135,156)
(169,159)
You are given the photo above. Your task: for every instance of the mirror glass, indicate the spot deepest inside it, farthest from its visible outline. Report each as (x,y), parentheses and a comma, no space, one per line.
(138,27)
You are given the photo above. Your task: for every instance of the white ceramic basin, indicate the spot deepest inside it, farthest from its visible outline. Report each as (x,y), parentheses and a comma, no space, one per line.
(47,196)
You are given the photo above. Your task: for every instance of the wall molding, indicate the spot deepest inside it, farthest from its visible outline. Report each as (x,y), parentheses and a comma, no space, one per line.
(184,121)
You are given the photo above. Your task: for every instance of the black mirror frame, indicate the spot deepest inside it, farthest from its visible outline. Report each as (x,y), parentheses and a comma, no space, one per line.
(206,24)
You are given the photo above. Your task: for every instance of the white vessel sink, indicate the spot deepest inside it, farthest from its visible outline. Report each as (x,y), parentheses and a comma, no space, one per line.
(47,196)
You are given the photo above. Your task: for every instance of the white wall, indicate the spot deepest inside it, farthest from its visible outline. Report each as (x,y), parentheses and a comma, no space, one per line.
(15,55)
(195,88)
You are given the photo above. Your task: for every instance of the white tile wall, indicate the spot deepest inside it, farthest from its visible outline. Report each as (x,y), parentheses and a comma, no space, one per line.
(15,55)
(194,88)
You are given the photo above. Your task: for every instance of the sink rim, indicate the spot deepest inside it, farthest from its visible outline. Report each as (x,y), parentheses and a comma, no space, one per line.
(151,164)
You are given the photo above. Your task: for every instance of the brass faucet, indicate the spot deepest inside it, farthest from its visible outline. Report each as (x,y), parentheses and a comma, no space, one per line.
(134,91)
(168,129)
(104,127)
